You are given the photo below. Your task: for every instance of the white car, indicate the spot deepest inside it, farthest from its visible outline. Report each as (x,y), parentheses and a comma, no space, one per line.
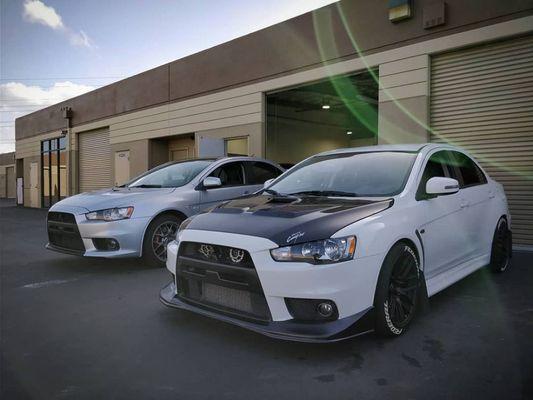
(345,242)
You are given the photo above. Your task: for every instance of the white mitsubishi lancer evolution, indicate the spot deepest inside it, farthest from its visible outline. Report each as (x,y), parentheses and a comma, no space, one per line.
(345,242)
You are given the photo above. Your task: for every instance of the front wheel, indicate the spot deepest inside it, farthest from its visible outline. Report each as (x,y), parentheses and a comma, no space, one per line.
(395,301)
(160,232)
(500,256)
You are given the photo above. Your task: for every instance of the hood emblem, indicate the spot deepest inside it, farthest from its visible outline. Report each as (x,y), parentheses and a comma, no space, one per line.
(236,255)
(295,236)
(206,250)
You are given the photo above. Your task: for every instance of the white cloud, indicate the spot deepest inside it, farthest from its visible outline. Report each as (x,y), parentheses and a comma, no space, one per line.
(35,11)
(17,99)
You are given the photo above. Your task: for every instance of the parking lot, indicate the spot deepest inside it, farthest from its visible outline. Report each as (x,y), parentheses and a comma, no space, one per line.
(80,328)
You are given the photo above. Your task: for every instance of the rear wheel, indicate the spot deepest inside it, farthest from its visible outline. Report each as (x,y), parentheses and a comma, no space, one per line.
(395,302)
(160,232)
(500,256)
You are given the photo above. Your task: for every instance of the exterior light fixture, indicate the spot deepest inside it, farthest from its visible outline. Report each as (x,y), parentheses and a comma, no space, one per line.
(399,10)
(326,106)
(349,132)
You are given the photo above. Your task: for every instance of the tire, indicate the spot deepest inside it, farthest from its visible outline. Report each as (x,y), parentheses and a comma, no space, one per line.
(161,230)
(396,298)
(500,255)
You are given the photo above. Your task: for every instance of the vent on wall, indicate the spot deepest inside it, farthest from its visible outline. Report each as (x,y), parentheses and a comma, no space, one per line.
(434,14)
(399,10)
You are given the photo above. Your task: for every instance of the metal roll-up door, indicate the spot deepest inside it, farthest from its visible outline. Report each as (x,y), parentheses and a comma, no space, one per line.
(482,101)
(10,183)
(94,160)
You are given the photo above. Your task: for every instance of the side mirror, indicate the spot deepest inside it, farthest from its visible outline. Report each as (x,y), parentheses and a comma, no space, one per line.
(267,183)
(439,186)
(211,182)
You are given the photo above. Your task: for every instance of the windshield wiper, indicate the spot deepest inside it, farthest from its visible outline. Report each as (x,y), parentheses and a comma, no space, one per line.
(274,193)
(146,186)
(325,193)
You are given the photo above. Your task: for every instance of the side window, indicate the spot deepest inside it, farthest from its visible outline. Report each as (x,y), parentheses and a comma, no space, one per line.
(470,173)
(260,172)
(230,174)
(435,166)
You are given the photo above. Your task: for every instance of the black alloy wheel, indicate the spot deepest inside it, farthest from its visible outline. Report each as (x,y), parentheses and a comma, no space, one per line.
(161,231)
(397,291)
(500,257)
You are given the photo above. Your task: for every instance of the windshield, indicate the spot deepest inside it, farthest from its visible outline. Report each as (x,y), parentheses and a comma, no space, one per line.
(373,174)
(171,175)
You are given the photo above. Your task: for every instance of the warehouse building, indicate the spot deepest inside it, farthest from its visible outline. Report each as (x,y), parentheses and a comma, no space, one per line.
(7,176)
(352,73)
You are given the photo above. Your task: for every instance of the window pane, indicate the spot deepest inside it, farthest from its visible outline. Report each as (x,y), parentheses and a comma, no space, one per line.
(53,144)
(62,143)
(54,168)
(45,145)
(46,179)
(434,168)
(358,174)
(172,175)
(230,174)
(262,172)
(470,173)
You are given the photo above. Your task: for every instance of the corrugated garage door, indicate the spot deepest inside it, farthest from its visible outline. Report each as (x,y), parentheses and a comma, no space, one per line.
(10,183)
(94,160)
(482,100)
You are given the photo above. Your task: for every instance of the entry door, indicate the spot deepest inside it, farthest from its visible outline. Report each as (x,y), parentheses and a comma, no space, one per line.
(443,228)
(122,167)
(179,154)
(34,182)
(232,177)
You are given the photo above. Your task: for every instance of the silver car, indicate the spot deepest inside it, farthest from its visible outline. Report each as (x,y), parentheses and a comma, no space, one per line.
(139,218)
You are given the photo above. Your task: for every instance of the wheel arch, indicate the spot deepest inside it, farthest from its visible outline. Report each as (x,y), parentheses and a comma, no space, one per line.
(168,211)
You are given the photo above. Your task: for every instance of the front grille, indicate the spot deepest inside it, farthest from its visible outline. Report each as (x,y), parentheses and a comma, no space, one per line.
(63,231)
(217,283)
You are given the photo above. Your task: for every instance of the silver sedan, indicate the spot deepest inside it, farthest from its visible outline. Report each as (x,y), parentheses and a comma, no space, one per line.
(139,218)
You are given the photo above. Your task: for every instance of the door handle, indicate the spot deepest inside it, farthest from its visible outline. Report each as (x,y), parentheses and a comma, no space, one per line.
(464,204)
(491,195)
(246,192)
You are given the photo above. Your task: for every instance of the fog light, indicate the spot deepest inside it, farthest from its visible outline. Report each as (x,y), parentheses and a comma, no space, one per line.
(325,309)
(105,244)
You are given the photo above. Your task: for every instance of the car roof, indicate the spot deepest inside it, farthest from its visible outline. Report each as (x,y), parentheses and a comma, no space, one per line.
(408,147)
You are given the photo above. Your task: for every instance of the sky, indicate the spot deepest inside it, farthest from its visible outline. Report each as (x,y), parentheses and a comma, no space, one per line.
(51,50)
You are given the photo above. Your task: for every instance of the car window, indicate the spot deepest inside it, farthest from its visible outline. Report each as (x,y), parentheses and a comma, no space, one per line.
(170,175)
(470,173)
(363,174)
(230,174)
(260,172)
(435,167)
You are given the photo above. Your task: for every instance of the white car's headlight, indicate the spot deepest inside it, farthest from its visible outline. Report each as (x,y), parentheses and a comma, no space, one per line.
(318,252)
(110,214)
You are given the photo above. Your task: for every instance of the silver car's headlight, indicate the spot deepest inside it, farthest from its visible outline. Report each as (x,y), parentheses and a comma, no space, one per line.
(110,214)
(318,252)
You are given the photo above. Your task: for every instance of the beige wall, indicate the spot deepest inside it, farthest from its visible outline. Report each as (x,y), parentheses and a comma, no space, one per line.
(27,194)
(404,100)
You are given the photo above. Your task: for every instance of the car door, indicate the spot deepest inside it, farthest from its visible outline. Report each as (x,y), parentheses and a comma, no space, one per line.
(443,228)
(232,177)
(475,196)
(258,172)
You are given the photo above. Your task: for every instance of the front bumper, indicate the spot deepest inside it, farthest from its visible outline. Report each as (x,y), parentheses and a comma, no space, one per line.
(350,285)
(128,232)
(312,332)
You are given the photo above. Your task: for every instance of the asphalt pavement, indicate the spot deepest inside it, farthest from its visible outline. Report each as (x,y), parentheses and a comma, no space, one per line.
(75,328)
